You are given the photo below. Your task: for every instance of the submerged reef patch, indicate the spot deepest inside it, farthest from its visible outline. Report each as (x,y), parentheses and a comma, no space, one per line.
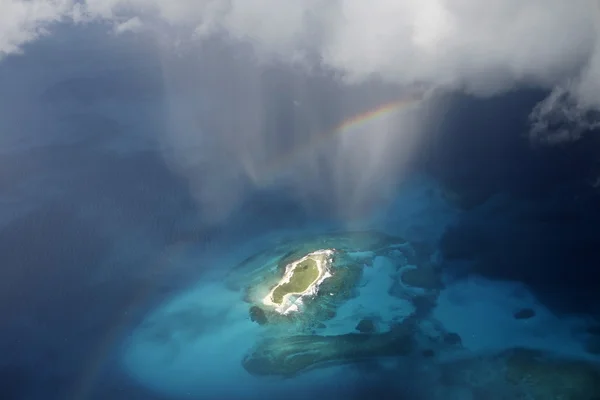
(290,355)
(524,374)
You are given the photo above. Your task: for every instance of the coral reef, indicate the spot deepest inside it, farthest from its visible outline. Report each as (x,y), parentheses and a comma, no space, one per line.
(290,355)
(424,277)
(524,313)
(258,315)
(322,307)
(290,343)
(543,376)
(592,345)
(452,339)
(524,374)
(260,273)
(366,325)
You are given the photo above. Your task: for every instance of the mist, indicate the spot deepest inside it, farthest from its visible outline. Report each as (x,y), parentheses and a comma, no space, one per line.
(227,124)
(275,127)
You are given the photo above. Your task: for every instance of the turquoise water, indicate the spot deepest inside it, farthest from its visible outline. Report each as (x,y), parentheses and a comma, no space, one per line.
(192,344)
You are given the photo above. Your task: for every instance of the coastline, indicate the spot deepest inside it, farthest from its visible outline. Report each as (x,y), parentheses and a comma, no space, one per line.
(322,259)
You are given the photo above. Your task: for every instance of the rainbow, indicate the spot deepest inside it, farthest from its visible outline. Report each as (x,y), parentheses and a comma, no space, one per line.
(379,112)
(286,161)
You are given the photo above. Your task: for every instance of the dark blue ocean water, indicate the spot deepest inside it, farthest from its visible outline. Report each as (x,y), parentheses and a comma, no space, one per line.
(109,220)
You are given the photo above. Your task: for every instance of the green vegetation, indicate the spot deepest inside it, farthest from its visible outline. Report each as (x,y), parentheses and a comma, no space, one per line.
(304,275)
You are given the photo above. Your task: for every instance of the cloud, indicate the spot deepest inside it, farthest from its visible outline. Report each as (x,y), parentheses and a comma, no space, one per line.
(24,21)
(482,48)
(563,116)
(131,25)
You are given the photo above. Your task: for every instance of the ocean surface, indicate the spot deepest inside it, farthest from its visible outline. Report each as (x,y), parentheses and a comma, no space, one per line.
(112,226)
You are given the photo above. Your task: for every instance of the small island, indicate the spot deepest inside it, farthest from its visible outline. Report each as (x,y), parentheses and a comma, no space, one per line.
(301,278)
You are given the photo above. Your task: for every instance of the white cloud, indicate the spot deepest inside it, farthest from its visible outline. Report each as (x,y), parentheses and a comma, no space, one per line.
(131,25)
(481,47)
(562,117)
(24,21)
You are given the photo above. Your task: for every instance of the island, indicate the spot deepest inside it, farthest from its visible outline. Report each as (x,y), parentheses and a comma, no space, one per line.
(307,292)
(301,278)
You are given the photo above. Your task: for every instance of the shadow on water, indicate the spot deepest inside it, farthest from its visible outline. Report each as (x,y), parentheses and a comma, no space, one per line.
(532,214)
